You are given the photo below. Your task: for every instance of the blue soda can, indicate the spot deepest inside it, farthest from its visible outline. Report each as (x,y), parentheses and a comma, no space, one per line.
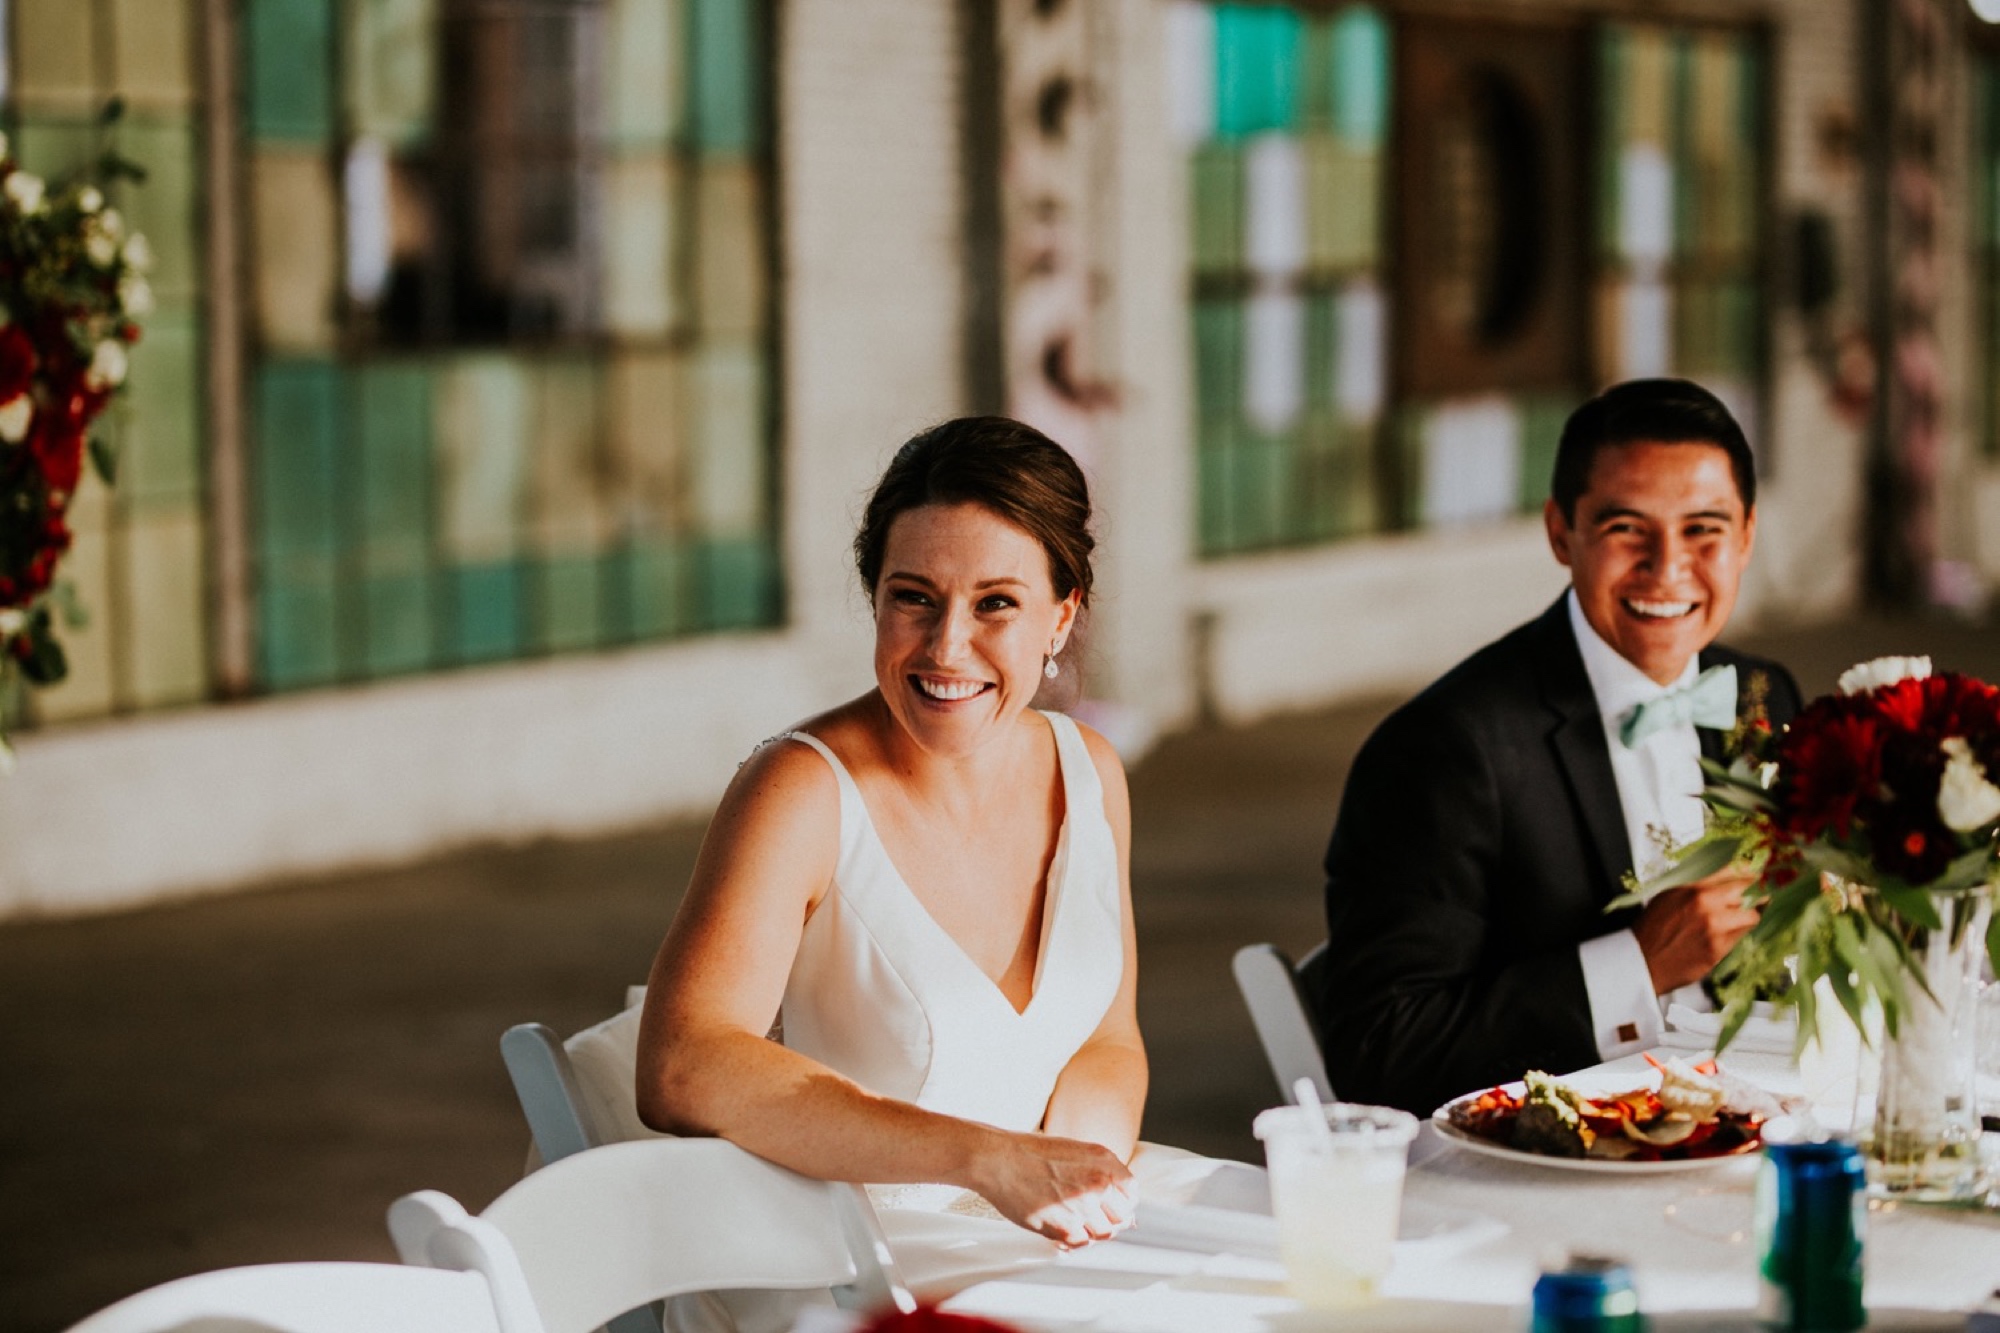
(1589,1294)
(1812,1216)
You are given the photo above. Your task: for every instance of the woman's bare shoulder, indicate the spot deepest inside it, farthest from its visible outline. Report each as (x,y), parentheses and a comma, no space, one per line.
(1103,754)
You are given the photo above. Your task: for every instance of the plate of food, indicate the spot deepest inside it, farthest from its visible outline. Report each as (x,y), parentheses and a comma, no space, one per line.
(1679,1117)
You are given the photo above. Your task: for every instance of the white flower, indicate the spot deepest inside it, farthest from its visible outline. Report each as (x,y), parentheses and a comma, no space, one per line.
(108,365)
(89,199)
(135,294)
(26,190)
(1966,799)
(12,621)
(113,223)
(1883,671)
(15,414)
(137,253)
(102,250)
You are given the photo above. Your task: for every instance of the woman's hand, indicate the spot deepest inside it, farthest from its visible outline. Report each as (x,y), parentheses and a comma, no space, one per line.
(1065,1189)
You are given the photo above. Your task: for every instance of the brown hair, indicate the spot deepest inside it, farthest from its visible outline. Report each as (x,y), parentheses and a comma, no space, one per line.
(998,464)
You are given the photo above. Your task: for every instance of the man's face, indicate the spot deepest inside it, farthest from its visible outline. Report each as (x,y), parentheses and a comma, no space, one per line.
(1656,550)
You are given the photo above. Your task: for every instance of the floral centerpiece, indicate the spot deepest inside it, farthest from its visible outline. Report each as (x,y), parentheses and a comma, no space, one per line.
(1872,823)
(72,284)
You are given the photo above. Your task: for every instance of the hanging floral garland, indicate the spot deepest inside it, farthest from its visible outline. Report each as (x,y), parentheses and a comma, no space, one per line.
(72,284)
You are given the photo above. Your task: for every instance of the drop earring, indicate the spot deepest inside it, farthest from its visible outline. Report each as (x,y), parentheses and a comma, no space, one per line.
(1050,667)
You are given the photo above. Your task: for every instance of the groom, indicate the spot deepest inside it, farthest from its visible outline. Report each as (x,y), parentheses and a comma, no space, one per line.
(1488,821)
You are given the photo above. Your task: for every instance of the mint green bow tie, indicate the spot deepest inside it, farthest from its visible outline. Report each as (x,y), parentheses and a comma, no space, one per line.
(1709,700)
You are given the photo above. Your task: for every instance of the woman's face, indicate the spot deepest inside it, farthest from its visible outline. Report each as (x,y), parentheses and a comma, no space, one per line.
(965,614)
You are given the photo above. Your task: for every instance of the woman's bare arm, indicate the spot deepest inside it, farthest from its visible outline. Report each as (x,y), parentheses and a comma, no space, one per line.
(1102,1090)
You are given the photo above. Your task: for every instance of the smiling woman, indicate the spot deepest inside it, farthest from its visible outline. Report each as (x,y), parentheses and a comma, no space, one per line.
(928,889)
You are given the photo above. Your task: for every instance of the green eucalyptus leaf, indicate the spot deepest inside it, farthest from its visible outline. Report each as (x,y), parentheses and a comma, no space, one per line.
(1993,940)
(1913,905)
(1746,800)
(104,457)
(1733,1018)
(1701,859)
(1808,1007)
(45,663)
(1973,869)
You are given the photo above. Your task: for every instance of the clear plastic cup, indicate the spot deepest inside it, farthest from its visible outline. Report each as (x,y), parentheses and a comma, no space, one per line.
(1337,1192)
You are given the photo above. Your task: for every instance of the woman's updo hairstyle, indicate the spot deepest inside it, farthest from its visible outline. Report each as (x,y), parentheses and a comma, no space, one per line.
(1001,465)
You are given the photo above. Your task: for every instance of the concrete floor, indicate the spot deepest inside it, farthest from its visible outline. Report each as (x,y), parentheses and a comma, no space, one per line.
(254,1077)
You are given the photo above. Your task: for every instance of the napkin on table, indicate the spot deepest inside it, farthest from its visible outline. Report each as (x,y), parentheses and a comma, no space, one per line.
(1693,1030)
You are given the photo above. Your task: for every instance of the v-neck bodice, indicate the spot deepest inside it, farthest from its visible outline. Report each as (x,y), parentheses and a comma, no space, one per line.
(882,993)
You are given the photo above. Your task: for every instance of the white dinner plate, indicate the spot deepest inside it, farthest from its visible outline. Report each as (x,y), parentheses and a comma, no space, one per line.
(1589,1087)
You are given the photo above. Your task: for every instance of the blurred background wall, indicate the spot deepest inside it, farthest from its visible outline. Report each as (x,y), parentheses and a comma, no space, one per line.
(520,366)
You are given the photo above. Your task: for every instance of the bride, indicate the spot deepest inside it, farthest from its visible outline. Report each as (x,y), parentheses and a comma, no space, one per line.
(927,886)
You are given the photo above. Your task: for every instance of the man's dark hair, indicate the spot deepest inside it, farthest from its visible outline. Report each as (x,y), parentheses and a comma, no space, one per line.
(1665,411)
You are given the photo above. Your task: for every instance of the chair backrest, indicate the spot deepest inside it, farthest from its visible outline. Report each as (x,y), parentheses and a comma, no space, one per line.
(603,1232)
(308,1298)
(580,1094)
(1283,1019)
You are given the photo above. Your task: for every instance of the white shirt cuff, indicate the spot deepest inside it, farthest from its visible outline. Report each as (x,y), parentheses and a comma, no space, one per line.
(1624,1012)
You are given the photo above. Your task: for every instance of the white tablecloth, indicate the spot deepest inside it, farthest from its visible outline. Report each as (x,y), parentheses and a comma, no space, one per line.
(1478,1230)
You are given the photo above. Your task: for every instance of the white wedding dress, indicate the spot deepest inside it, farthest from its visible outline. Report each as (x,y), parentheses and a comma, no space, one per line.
(881,993)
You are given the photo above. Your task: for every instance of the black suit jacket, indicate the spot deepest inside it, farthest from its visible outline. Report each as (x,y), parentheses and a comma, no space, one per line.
(1478,841)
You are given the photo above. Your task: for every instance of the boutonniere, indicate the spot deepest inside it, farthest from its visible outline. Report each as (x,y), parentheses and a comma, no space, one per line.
(1753,716)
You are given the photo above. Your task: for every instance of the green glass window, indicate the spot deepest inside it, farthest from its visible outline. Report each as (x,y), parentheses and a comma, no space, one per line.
(1283,114)
(1681,207)
(1337,393)
(513,378)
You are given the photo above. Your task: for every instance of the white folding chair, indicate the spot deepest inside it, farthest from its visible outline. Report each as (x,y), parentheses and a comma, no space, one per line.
(1283,1019)
(309,1298)
(580,1094)
(614,1228)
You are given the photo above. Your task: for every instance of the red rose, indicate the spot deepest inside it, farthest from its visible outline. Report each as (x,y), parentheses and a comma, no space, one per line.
(17,363)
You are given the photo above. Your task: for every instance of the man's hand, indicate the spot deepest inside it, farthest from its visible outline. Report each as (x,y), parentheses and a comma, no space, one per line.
(1684,932)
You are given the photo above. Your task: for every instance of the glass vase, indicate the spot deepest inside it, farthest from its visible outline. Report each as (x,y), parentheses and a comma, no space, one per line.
(1922,1138)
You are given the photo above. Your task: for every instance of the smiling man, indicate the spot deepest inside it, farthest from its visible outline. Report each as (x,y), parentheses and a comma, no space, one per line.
(1488,821)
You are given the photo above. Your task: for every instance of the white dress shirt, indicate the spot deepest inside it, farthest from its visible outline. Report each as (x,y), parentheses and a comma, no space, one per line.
(1659,792)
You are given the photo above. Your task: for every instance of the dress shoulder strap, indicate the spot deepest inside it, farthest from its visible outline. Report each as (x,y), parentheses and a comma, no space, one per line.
(1079,771)
(825,752)
(853,812)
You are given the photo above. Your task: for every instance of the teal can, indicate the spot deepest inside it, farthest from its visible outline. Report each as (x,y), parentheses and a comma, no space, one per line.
(1589,1294)
(1812,1218)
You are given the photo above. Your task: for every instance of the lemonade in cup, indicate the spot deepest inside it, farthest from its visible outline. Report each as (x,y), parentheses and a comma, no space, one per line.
(1336,1190)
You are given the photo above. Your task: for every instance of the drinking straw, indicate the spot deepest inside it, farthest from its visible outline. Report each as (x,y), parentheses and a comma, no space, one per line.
(1307,1096)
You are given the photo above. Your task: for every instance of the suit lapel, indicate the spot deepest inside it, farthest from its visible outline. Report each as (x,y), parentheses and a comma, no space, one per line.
(1577,738)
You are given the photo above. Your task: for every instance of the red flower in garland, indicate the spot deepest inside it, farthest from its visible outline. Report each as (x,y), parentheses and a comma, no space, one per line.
(58,449)
(17,362)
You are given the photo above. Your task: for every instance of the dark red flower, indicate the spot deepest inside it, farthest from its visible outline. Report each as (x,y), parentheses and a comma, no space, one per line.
(1829,760)
(17,362)
(58,450)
